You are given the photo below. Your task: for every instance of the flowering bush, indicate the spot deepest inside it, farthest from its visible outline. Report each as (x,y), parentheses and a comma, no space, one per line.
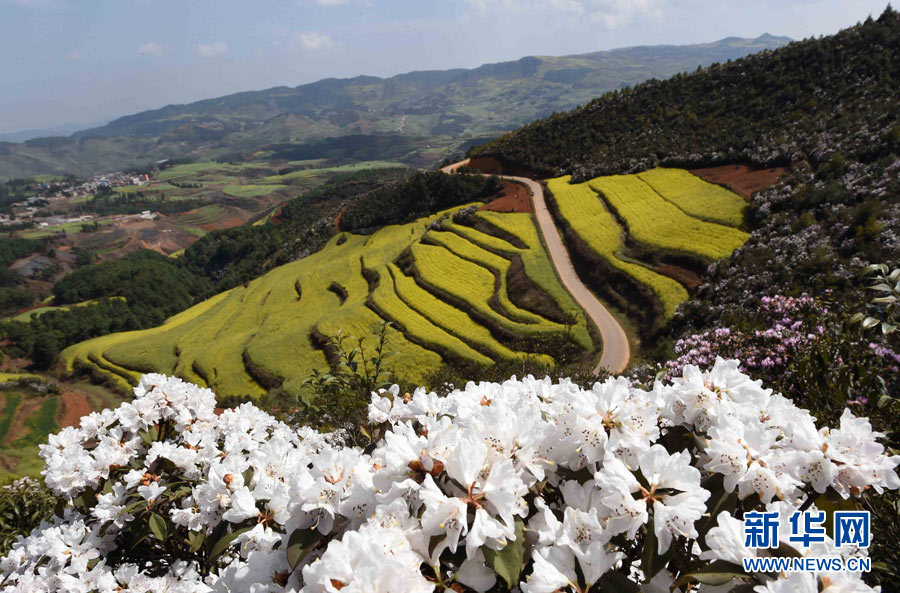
(524,485)
(794,323)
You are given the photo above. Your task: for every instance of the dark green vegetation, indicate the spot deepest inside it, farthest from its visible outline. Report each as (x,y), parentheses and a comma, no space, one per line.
(13,295)
(23,505)
(420,195)
(150,287)
(417,117)
(156,281)
(774,107)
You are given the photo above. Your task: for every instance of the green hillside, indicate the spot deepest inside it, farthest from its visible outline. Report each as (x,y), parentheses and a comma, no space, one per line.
(418,117)
(442,283)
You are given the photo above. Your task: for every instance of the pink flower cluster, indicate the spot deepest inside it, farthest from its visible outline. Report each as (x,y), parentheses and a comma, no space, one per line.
(795,323)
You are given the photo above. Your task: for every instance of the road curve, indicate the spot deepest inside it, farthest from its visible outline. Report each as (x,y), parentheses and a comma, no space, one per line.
(616,351)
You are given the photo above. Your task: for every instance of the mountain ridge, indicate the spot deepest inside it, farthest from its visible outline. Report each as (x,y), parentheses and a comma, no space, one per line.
(434,110)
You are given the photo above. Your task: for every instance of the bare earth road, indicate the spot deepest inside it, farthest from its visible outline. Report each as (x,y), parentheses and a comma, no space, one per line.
(616,350)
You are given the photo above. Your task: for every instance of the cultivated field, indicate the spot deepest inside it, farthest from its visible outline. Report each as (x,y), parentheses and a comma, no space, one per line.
(445,289)
(696,197)
(185,202)
(666,213)
(658,223)
(591,221)
(27,416)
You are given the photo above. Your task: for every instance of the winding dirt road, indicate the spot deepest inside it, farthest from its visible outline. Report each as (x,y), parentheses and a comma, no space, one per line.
(616,351)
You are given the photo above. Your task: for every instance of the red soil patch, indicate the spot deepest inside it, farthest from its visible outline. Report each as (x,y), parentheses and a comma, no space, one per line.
(226,222)
(686,277)
(337,219)
(741,179)
(515,198)
(17,428)
(72,408)
(276,217)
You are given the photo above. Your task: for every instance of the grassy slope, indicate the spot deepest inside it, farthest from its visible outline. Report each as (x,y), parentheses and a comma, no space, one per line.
(268,323)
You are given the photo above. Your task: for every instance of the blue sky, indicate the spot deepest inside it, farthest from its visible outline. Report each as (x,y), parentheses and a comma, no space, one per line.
(85,61)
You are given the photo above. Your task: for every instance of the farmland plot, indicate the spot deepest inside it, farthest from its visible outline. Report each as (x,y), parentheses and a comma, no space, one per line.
(657,223)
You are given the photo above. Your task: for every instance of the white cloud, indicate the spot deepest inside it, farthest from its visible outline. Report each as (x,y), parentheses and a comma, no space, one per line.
(151,48)
(313,41)
(212,50)
(74,56)
(611,14)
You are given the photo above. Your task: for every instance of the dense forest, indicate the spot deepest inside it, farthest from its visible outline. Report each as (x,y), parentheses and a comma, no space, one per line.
(416,197)
(12,295)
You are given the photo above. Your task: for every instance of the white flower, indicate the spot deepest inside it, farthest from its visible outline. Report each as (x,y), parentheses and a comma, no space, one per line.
(243,506)
(726,541)
(673,514)
(151,491)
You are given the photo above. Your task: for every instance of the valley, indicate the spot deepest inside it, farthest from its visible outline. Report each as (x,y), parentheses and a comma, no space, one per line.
(444,282)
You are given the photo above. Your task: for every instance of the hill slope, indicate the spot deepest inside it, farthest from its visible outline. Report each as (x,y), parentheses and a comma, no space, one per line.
(444,284)
(446,107)
(806,101)
(828,107)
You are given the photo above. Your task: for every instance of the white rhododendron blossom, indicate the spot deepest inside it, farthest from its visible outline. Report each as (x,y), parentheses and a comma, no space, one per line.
(525,485)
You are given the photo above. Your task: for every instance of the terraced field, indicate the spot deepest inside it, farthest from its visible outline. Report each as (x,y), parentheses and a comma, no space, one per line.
(658,223)
(250,191)
(28,415)
(662,210)
(452,304)
(698,198)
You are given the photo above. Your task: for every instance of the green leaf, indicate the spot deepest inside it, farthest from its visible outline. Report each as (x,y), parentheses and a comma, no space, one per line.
(223,542)
(196,539)
(717,573)
(508,562)
(158,526)
(301,542)
(869,322)
(150,435)
(652,561)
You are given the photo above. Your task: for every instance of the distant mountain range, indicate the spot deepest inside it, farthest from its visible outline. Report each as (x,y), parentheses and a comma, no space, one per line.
(428,113)
(61,130)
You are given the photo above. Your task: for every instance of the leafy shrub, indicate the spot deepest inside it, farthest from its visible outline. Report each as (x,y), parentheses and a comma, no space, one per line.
(420,195)
(24,504)
(526,484)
